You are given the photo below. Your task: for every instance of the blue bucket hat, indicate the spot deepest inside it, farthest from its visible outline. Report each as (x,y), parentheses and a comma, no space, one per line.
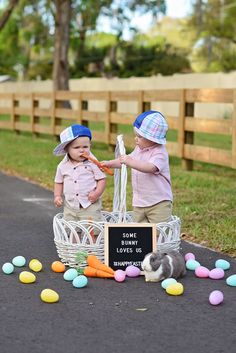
(70,134)
(152,125)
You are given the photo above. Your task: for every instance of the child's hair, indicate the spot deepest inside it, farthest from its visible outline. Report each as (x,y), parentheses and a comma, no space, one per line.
(152,125)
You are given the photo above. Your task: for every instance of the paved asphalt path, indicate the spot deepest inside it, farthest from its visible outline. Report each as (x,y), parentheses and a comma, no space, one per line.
(104,316)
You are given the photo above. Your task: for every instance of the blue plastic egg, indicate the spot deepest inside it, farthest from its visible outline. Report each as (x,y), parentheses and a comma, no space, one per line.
(7,268)
(225,265)
(70,274)
(167,282)
(192,264)
(19,261)
(231,280)
(80,281)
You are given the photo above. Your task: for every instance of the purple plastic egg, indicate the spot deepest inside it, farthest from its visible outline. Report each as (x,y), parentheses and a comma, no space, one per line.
(216,297)
(132,271)
(216,273)
(119,275)
(189,256)
(202,272)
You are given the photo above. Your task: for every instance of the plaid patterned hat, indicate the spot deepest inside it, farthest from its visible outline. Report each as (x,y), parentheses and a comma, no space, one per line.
(70,134)
(152,125)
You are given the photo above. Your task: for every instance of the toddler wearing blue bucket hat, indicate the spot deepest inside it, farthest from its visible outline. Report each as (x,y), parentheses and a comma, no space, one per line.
(79,183)
(150,171)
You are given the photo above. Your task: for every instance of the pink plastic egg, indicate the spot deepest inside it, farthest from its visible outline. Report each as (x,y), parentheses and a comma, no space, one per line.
(217,273)
(189,256)
(132,271)
(119,275)
(202,272)
(216,297)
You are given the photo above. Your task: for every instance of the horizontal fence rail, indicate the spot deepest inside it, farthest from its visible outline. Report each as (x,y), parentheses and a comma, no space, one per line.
(49,113)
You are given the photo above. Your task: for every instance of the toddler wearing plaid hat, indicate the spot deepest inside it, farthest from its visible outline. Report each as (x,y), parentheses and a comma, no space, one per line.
(78,180)
(149,161)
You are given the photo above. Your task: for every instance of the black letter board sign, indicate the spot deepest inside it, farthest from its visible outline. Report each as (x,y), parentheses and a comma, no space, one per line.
(128,243)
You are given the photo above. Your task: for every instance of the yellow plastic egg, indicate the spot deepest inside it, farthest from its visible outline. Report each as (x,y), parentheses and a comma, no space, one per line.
(35,265)
(175,289)
(27,277)
(49,296)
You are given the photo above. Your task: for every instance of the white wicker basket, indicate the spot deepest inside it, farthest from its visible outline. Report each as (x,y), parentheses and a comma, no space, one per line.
(71,237)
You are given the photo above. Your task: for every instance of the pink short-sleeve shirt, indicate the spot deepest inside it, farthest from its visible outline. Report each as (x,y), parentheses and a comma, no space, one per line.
(151,188)
(79,180)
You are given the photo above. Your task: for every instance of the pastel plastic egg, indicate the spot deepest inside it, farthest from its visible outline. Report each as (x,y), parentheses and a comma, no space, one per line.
(19,261)
(7,268)
(202,272)
(58,266)
(27,277)
(70,274)
(119,275)
(216,297)
(231,281)
(132,271)
(49,296)
(216,273)
(175,289)
(80,281)
(167,282)
(35,265)
(220,263)
(192,264)
(189,256)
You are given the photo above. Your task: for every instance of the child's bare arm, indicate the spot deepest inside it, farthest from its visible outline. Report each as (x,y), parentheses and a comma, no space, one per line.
(95,194)
(145,167)
(58,190)
(114,163)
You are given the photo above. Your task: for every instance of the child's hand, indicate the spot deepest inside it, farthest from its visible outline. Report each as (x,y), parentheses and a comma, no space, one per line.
(124,159)
(93,196)
(58,201)
(105,163)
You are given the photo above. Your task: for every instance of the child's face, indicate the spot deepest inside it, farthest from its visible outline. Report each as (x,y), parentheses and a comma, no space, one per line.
(77,147)
(142,142)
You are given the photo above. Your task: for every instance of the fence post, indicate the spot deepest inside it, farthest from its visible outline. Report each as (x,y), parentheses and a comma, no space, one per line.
(234,132)
(79,109)
(34,119)
(113,128)
(185,137)
(14,117)
(107,118)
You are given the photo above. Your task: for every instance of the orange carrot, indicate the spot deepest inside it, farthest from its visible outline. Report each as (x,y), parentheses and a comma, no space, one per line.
(94,262)
(95,161)
(93,272)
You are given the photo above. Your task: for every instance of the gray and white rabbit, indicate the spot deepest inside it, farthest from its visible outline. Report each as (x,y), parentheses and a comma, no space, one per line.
(157,266)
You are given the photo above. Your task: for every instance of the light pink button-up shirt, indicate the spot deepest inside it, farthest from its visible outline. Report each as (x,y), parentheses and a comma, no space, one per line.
(151,188)
(79,180)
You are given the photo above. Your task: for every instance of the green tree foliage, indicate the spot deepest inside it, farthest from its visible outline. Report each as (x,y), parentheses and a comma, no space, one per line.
(215,42)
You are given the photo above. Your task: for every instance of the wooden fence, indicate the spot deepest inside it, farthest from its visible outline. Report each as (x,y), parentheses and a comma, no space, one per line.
(49,113)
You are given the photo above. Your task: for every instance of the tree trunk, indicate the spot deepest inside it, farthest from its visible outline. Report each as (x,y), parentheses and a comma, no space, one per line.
(7,13)
(61,45)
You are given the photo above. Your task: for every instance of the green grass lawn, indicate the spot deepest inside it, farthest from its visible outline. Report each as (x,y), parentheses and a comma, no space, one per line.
(204,198)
